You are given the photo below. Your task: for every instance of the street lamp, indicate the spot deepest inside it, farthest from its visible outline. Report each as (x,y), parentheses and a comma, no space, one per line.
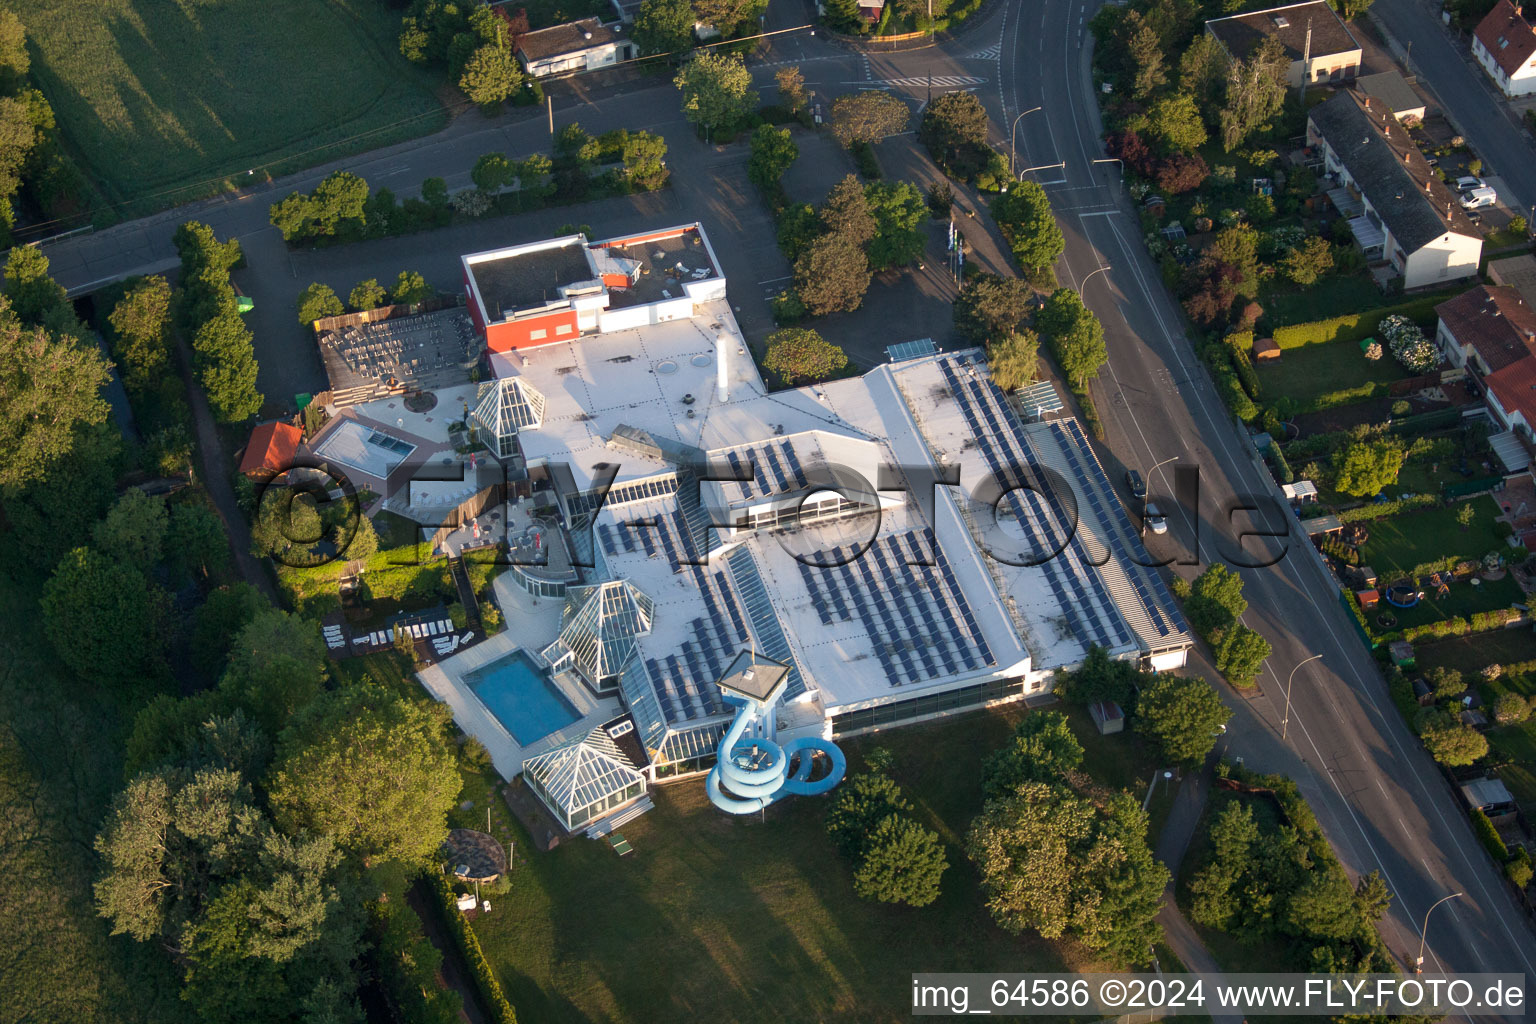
(1012,130)
(1084,285)
(1285,723)
(1418,964)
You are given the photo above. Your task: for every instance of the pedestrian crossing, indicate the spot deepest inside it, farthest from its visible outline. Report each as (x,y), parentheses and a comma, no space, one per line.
(947,81)
(993,52)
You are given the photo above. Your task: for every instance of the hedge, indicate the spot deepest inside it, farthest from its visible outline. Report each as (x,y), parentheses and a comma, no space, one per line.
(1246,373)
(1489,836)
(1347,396)
(1353,327)
(1482,622)
(1387,509)
(494,999)
(1282,467)
(1090,412)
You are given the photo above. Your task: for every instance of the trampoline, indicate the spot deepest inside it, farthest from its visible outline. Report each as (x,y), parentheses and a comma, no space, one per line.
(1402,594)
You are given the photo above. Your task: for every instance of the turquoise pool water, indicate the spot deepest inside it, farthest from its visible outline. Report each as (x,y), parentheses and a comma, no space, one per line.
(522,697)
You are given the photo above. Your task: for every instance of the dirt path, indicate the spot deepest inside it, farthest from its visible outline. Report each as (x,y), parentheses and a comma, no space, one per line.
(454,973)
(214,466)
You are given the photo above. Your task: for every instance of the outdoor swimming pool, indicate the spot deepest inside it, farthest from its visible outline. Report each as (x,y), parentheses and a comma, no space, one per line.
(522,697)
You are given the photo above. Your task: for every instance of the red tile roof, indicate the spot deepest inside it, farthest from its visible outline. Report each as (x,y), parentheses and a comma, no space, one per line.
(1505,35)
(1493,320)
(271,448)
(1515,388)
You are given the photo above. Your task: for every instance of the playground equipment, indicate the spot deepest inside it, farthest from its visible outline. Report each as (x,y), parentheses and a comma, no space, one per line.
(752,770)
(1403,594)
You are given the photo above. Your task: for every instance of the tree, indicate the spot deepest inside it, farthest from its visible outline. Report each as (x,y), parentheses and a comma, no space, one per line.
(1366,467)
(318,301)
(411,289)
(1240,654)
(1075,335)
(52,388)
(1101,678)
(951,121)
(1202,70)
(491,76)
(1452,743)
(1013,359)
(643,155)
(371,770)
(217,623)
(791,83)
(1445,682)
(493,172)
(1042,749)
(226,364)
(868,116)
(861,803)
(846,212)
(1024,216)
(1185,715)
(832,275)
(773,151)
(141,332)
(844,16)
(1511,709)
(1308,261)
(922,13)
(902,863)
(1175,121)
(134,530)
(1349,10)
(800,354)
(1143,53)
(103,618)
(725,15)
(15,62)
(664,26)
(195,539)
(1181,172)
(1465,514)
(717,90)
(367,295)
(1215,600)
(38,299)
(1053,863)
(1255,92)
(276,667)
(991,307)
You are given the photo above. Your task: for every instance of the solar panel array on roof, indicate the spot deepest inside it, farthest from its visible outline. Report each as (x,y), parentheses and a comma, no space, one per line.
(910,350)
(685,679)
(918,618)
(1070,574)
(773,468)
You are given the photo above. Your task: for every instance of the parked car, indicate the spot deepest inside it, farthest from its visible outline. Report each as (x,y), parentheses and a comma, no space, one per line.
(1468,183)
(1137,485)
(1479,198)
(1153,519)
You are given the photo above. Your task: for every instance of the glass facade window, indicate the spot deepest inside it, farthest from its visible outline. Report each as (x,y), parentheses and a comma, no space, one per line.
(896,712)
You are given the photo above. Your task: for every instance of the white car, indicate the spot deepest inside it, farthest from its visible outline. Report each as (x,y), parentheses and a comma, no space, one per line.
(1154,520)
(1467,184)
(1478,198)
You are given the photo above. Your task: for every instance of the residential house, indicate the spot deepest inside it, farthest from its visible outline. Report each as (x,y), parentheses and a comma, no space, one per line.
(1398,210)
(1316,41)
(1491,331)
(583,45)
(1505,45)
(1392,89)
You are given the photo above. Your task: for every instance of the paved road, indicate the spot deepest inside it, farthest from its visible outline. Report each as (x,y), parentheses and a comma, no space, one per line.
(1466,95)
(1377,794)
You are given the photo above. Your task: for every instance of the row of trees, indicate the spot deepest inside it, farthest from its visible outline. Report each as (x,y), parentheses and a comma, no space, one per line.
(896,859)
(320,300)
(1023,214)
(33,164)
(222,351)
(667,26)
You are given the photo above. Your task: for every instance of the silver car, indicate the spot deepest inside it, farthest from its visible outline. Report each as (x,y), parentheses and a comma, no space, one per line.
(1153,519)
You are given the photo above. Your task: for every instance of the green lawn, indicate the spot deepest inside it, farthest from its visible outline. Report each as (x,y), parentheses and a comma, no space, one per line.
(543,13)
(161,102)
(1469,654)
(1335,295)
(1402,542)
(1306,374)
(740,919)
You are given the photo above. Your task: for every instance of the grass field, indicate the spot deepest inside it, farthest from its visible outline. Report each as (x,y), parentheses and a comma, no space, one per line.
(162,101)
(720,918)
(1306,374)
(1336,295)
(1402,542)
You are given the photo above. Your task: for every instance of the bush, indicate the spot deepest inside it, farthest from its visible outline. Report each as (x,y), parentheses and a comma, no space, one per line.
(1409,345)
(1518,869)
(1489,836)
(864,161)
(1387,509)
(492,996)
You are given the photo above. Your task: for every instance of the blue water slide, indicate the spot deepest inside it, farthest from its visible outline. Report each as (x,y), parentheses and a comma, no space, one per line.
(750,774)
